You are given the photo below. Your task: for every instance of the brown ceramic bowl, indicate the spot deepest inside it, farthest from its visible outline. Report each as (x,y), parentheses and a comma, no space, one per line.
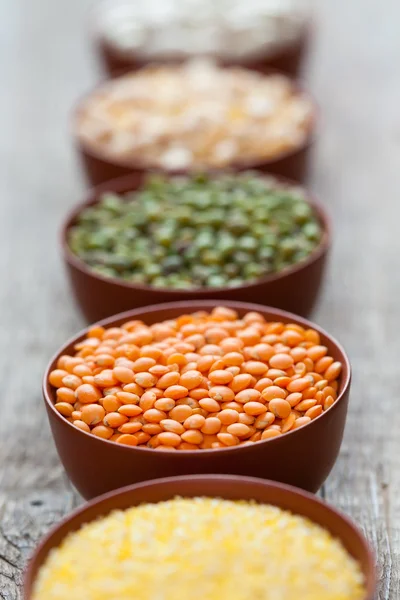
(295,289)
(227,487)
(303,457)
(99,167)
(288,58)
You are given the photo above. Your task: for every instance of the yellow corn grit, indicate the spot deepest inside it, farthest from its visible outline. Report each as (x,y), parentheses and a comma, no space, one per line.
(200,549)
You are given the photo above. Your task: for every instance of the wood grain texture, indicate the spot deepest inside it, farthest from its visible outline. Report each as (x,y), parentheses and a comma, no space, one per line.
(356,172)
(353,71)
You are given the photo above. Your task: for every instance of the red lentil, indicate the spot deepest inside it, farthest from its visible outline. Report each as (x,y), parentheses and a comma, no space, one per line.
(207,380)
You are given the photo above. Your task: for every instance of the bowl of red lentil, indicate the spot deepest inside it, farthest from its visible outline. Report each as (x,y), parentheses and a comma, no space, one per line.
(252,528)
(194,387)
(191,116)
(293,285)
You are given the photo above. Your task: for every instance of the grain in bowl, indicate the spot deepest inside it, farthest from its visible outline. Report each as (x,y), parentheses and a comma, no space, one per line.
(200,548)
(168,29)
(206,380)
(194,116)
(198,231)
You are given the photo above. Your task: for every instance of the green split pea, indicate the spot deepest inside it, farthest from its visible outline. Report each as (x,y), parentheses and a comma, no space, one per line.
(198,231)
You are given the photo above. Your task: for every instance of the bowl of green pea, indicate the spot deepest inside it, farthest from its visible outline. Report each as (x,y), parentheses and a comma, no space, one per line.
(146,239)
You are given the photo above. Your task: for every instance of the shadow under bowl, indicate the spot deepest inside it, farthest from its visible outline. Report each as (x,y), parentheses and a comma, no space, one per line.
(303,457)
(295,289)
(228,488)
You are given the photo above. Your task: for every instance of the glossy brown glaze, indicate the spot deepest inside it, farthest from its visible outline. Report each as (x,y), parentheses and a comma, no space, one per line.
(287,58)
(292,164)
(303,457)
(227,487)
(99,169)
(296,289)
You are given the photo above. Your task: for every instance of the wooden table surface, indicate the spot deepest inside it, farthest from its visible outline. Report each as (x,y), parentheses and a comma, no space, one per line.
(353,71)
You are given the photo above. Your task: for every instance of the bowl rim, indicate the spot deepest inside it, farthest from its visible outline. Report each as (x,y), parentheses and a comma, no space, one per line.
(137,165)
(187,306)
(92,197)
(312,499)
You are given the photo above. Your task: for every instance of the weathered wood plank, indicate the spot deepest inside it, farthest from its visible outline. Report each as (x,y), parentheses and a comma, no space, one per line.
(46,65)
(356,172)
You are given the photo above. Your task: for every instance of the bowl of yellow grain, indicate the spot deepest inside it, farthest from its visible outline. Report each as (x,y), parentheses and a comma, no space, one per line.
(203,537)
(194,116)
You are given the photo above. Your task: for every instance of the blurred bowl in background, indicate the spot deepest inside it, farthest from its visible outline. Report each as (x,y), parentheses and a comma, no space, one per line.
(194,116)
(295,289)
(99,168)
(128,35)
